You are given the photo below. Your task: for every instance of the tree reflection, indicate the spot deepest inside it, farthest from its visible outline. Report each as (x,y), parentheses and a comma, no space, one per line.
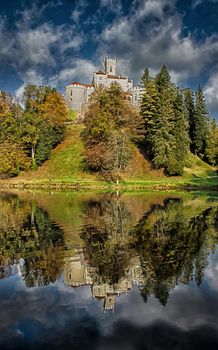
(173,247)
(105,234)
(30,243)
(169,245)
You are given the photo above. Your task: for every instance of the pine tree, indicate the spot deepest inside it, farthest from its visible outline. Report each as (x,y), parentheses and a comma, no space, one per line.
(201,122)
(212,143)
(145,77)
(190,111)
(163,140)
(162,79)
(150,109)
(180,133)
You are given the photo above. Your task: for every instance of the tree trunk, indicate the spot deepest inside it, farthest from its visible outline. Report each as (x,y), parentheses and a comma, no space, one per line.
(33,157)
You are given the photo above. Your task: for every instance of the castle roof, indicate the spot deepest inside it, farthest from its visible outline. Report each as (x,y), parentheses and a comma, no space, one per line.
(100,72)
(81,84)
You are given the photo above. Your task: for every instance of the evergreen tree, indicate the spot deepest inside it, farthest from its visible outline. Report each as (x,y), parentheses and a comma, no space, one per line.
(212,143)
(163,142)
(150,109)
(180,133)
(145,77)
(201,122)
(190,111)
(162,79)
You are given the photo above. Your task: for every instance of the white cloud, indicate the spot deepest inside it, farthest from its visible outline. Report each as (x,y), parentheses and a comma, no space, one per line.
(152,35)
(30,77)
(33,45)
(211,92)
(35,49)
(79,69)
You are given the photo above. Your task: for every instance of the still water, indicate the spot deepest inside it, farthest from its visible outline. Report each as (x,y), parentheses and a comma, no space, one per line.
(108,271)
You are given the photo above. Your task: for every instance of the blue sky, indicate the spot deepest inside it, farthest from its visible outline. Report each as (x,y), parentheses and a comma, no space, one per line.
(56,42)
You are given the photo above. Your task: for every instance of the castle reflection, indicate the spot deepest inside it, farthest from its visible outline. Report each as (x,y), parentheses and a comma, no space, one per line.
(77,273)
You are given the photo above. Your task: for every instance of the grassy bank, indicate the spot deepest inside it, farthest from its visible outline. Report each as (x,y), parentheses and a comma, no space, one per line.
(77,184)
(66,169)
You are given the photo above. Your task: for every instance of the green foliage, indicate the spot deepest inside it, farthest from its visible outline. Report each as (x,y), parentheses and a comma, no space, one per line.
(163,142)
(212,143)
(190,112)
(49,137)
(162,79)
(180,133)
(201,121)
(150,110)
(172,246)
(175,124)
(72,115)
(145,77)
(27,232)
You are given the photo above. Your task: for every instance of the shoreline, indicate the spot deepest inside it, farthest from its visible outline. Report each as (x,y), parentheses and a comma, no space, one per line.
(164,184)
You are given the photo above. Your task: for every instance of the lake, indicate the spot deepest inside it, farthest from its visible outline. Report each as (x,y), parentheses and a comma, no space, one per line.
(85,270)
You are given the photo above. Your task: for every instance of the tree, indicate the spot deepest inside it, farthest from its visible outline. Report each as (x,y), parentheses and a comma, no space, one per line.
(9,113)
(164,143)
(201,121)
(212,143)
(145,77)
(180,133)
(162,79)
(30,124)
(111,125)
(12,159)
(190,112)
(42,124)
(150,110)
(54,110)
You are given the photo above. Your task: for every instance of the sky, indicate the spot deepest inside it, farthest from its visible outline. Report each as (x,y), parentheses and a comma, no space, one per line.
(55,42)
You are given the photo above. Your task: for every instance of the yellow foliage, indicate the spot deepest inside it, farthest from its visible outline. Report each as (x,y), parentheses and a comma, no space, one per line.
(54,109)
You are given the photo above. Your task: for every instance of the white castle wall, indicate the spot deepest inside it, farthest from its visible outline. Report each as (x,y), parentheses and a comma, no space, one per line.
(78,95)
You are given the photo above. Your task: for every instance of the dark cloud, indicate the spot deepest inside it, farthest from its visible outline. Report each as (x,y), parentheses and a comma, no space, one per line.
(124,336)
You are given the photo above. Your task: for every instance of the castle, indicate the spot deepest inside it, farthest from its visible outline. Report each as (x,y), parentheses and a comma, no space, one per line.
(78,94)
(78,272)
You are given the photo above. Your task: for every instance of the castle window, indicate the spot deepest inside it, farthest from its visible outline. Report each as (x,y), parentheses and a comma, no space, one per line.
(110,68)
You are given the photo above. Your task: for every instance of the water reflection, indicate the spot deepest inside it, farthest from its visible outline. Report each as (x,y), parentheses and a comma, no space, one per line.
(168,245)
(132,251)
(173,246)
(31,245)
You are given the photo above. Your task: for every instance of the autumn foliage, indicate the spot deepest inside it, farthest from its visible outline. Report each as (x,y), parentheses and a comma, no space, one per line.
(28,134)
(111,126)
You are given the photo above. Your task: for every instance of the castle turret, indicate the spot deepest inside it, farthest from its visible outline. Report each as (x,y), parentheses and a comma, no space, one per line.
(110,65)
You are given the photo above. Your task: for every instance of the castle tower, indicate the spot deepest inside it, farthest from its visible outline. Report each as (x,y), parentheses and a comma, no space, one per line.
(110,65)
